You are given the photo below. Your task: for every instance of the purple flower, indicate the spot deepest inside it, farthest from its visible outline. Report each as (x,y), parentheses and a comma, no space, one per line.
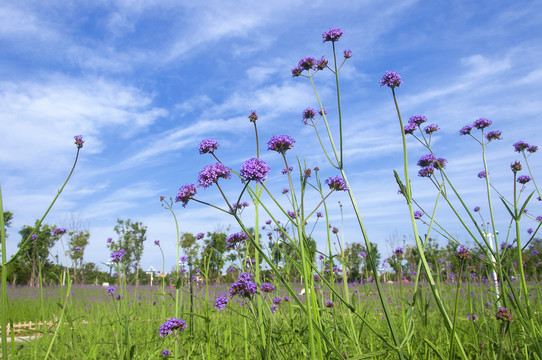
(285,170)
(157,242)
(462,253)
(337,183)
(254,169)
(319,214)
(109,240)
(186,192)
(329,303)
(391,79)
(253,116)
(363,254)
(476,208)
(399,252)
(171,325)
(183,259)
(243,287)
(524,179)
(268,222)
(285,191)
(280,143)
(347,54)
(111,290)
(440,163)
(431,129)
(504,315)
(472,317)
(417,120)
(426,171)
(335,230)
(520,146)
(117,298)
(494,135)
(234,239)
(465,130)
(239,206)
(208,146)
(321,64)
(307,63)
(534,252)
(117,255)
(308,113)
(321,113)
(539,218)
(221,302)
(277,300)
(482,123)
(79,141)
(200,236)
(532,149)
(59,231)
(211,173)
(482,174)
(77,249)
(166,352)
(418,214)
(273,308)
(516,166)
(410,128)
(333,34)
(427,160)
(267,288)
(296,71)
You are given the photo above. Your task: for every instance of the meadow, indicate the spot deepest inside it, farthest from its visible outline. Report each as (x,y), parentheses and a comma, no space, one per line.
(290,300)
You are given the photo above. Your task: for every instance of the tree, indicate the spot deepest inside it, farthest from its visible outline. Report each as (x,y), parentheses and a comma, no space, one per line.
(356,258)
(131,236)
(77,243)
(188,243)
(213,252)
(36,251)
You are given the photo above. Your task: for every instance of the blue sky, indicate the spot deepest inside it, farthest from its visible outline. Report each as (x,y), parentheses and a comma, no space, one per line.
(145,81)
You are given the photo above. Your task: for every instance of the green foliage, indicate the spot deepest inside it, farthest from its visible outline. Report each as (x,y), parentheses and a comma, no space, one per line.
(35,252)
(130,237)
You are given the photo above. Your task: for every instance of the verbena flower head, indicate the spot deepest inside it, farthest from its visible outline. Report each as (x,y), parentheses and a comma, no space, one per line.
(254,169)
(431,129)
(476,208)
(440,163)
(391,79)
(417,119)
(410,128)
(79,141)
(329,303)
(532,149)
(170,326)
(426,171)
(482,174)
(234,239)
(297,71)
(111,290)
(321,64)
(427,160)
(267,288)
(347,54)
(399,252)
(157,242)
(277,300)
(462,253)
(472,317)
(280,143)
(482,123)
(118,255)
(59,231)
(166,352)
(253,116)
(465,130)
(307,63)
(333,34)
(239,206)
(494,135)
(418,214)
(516,166)
(221,302)
(77,249)
(273,308)
(211,173)
(200,236)
(503,315)
(183,259)
(243,287)
(208,146)
(520,146)
(186,192)
(337,183)
(322,113)
(109,240)
(308,113)
(524,179)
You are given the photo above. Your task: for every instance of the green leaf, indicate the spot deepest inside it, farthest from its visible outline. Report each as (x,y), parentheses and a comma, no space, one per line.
(508,208)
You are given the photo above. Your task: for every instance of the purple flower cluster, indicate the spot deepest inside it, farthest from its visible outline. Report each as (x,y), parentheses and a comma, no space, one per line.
(482,174)
(234,239)
(267,288)
(289,169)
(462,253)
(494,135)
(347,54)
(418,214)
(476,208)
(307,63)
(391,79)
(417,119)
(59,231)
(429,163)
(399,252)
(329,303)
(516,166)
(200,236)
(254,169)
(239,206)
(253,116)
(504,315)
(170,326)
(211,173)
(280,143)
(521,146)
(308,114)
(243,287)
(117,255)
(186,192)
(166,352)
(221,302)
(337,183)
(431,129)
(321,64)
(482,123)
(111,290)
(524,179)
(208,146)
(333,34)
(79,141)
(157,242)
(465,130)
